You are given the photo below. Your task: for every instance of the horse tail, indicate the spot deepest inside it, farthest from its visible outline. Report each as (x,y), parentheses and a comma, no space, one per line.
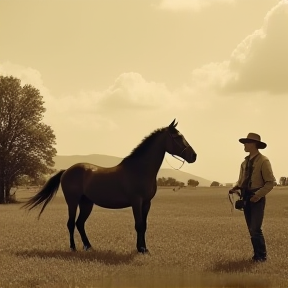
(46,194)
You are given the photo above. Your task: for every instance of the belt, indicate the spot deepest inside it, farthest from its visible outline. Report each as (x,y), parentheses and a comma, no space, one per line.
(248,193)
(251,191)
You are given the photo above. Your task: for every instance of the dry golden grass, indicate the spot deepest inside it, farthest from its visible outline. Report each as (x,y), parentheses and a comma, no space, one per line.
(194,240)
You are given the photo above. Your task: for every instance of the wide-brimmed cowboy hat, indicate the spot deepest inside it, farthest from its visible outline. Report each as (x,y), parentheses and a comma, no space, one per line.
(253,137)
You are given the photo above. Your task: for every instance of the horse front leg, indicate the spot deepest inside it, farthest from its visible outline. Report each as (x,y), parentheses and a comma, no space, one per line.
(145,210)
(140,225)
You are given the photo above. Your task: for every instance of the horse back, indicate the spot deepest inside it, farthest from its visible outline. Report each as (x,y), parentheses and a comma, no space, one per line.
(112,187)
(104,186)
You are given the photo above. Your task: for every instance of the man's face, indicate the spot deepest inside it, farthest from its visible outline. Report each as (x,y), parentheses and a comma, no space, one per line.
(250,146)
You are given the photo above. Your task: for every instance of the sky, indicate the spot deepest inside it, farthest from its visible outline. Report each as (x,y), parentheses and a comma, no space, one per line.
(111,72)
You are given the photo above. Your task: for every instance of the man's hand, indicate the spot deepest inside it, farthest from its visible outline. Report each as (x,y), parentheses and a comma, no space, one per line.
(231,191)
(255,198)
(234,190)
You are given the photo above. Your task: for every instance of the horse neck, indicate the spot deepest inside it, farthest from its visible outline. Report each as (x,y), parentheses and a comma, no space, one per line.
(154,155)
(150,160)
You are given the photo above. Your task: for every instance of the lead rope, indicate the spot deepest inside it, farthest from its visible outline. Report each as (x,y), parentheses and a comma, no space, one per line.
(177,159)
(231,200)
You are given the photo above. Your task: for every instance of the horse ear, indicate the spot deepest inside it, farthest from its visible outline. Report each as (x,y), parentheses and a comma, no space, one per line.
(172,124)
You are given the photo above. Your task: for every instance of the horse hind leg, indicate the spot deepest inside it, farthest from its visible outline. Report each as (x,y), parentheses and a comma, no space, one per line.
(72,209)
(86,207)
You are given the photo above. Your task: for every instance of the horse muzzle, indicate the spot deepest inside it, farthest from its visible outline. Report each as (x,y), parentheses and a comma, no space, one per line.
(190,155)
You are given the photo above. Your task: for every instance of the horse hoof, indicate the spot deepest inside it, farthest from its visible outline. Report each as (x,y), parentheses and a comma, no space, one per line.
(143,250)
(87,248)
(73,249)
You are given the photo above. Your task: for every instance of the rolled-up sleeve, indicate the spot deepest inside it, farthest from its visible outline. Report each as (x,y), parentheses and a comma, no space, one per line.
(240,179)
(268,178)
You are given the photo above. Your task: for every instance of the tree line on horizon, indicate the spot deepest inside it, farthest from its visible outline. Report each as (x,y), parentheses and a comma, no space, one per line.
(283,181)
(170,181)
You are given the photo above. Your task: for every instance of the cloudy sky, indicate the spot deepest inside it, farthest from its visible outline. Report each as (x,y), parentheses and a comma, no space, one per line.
(113,71)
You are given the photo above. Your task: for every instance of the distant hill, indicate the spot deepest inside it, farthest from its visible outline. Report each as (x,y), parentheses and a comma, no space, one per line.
(64,162)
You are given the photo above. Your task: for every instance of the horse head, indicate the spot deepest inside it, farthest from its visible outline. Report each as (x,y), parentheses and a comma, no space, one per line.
(176,144)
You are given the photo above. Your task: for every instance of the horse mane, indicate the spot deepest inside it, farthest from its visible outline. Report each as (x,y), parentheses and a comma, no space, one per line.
(144,144)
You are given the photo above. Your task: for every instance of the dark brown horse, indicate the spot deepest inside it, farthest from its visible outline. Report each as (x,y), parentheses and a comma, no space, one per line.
(130,183)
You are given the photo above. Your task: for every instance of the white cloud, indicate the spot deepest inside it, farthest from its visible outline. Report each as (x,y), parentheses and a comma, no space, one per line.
(132,91)
(89,113)
(194,5)
(129,91)
(213,75)
(27,75)
(259,62)
(71,110)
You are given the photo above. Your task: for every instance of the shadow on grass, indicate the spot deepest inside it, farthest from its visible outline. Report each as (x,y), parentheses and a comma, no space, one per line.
(107,257)
(234,266)
(238,274)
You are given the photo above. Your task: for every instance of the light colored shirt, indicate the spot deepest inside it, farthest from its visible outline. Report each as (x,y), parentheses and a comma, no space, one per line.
(262,176)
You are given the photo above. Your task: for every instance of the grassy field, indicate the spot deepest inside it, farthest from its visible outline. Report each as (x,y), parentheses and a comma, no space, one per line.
(193,238)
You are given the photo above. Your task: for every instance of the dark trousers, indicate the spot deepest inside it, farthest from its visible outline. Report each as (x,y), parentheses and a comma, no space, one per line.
(254,214)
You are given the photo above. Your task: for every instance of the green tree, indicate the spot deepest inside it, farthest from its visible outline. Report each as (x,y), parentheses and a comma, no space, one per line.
(26,143)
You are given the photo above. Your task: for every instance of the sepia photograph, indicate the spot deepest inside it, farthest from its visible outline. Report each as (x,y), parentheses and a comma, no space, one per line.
(143,143)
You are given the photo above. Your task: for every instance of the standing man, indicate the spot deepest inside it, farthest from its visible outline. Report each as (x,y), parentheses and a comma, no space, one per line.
(256,180)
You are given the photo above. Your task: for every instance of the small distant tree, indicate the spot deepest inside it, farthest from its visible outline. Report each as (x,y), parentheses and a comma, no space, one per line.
(215,184)
(193,183)
(283,181)
(171,181)
(161,181)
(181,184)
